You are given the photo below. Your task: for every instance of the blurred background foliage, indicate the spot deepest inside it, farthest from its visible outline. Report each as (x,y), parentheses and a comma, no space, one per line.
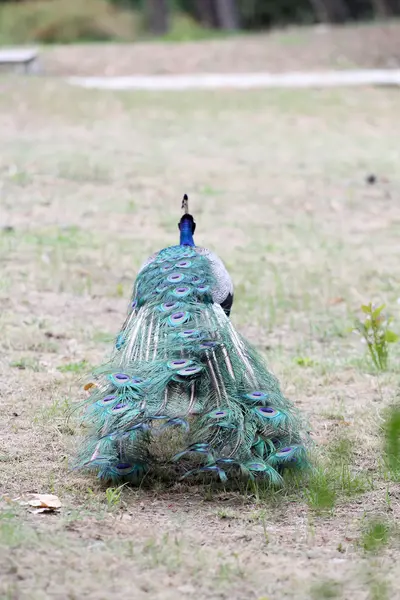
(68,21)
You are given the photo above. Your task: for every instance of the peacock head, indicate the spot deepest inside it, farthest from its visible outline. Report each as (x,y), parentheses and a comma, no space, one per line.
(186,225)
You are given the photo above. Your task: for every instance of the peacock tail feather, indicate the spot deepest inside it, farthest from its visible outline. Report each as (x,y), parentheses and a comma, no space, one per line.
(179,364)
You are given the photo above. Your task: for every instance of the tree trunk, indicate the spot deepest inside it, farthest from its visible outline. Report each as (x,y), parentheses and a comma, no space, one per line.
(331,11)
(206,13)
(158,16)
(228,14)
(385,8)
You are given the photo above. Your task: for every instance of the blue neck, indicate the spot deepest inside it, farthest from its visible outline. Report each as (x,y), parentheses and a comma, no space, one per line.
(186,238)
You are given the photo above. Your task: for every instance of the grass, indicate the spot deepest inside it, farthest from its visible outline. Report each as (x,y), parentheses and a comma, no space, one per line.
(375,535)
(325,590)
(92,183)
(113,496)
(391,434)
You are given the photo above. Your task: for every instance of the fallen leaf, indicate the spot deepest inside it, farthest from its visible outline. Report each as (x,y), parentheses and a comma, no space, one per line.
(337,300)
(45,502)
(88,386)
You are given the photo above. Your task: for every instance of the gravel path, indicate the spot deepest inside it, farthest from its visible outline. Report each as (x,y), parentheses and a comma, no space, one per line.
(242,80)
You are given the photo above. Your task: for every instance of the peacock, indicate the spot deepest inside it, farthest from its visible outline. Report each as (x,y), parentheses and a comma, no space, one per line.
(179,366)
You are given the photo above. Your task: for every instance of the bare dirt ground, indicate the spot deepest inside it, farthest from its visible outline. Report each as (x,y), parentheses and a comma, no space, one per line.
(293,49)
(90,186)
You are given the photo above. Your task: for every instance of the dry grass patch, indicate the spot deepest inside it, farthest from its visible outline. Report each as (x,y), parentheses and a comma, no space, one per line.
(373,45)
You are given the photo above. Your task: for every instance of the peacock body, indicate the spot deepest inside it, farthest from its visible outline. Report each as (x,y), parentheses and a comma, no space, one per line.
(179,364)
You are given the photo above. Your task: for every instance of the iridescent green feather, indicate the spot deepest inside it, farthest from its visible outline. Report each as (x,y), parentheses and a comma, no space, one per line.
(179,364)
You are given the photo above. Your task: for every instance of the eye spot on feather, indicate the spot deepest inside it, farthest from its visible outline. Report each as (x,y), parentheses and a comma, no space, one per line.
(122,466)
(197,280)
(257,395)
(167,306)
(179,363)
(120,407)
(189,371)
(267,411)
(166,268)
(178,318)
(183,264)
(175,277)
(107,399)
(285,451)
(207,345)
(127,468)
(256,467)
(121,376)
(218,414)
(189,333)
(123,380)
(182,292)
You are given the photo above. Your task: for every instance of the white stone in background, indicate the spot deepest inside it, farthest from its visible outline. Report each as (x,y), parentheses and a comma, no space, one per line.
(25,59)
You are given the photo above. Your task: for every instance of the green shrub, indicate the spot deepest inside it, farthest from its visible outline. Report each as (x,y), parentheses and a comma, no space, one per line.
(65,21)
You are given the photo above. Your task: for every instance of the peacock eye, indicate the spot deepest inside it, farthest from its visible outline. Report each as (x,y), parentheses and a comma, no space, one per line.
(121,406)
(189,371)
(267,411)
(175,277)
(206,345)
(178,318)
(179,363)
(256,395)
(109,398)
(218,414)
(183,264)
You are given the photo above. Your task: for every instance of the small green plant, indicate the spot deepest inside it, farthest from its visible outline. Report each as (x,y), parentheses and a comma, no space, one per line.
(29,364)
(374,536)
(379,590)
(378,586)
(226,513)
(304,361)
(12,531)
(59,409)
(323,590)
(391,435)
(119,290)
(375,331)
(77,367)
(320,492)
(113,496)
